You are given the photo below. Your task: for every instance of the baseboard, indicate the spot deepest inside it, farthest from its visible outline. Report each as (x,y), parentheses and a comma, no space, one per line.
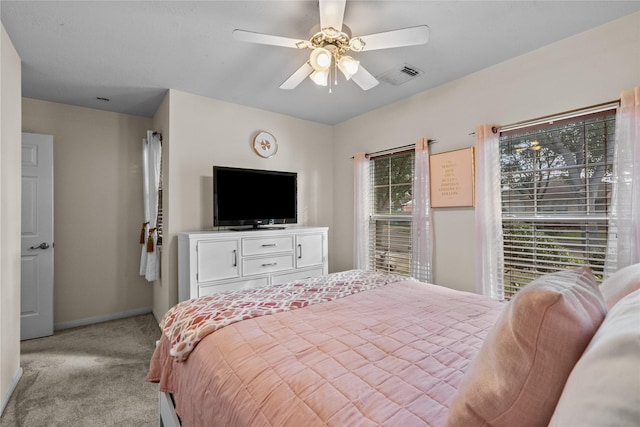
(100,319)
(5,399)
(155,316)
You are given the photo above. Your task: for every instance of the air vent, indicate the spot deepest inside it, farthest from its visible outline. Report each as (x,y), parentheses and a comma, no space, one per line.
(401,74)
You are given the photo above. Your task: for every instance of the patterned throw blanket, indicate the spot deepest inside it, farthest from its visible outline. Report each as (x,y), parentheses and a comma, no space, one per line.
(188,322)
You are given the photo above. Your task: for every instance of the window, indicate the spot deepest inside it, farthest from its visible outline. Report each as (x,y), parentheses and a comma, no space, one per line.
(390,219)
(556,189)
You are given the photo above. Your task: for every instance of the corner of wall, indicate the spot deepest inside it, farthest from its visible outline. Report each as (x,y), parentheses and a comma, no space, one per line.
(10,196)
(162,289)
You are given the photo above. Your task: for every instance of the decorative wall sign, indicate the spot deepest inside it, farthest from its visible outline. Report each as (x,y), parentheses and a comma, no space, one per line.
(452,178)
(265,144)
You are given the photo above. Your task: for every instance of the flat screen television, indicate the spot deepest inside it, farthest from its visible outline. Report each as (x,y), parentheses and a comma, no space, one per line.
(253,198)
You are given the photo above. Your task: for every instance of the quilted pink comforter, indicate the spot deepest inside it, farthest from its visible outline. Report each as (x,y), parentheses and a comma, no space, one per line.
(188,322)
(391,356)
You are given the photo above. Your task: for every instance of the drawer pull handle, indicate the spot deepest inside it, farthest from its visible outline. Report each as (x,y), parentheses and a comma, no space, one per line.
(269,245)
(299,251)
(271,264)
(235,258)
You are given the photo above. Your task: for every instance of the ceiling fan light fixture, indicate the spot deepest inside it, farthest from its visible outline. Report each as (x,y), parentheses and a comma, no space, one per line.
(320,59)
(320,77)
(348,66)
(356,44)
(331,32)
(330,41)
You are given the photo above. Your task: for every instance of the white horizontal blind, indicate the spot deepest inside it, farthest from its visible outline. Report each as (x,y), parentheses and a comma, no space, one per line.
(390,220)
(556,189)
(160,218)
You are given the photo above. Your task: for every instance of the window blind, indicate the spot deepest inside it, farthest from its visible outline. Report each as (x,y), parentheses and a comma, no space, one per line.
(556,190)
(160,217)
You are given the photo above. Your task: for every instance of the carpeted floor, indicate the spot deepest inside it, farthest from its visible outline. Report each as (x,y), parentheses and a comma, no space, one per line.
(87,376)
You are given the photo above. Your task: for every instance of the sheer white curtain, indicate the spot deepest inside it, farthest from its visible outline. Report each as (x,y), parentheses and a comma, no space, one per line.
(361,194)
(150,256)
(421,229)
(489,245)
(623,247)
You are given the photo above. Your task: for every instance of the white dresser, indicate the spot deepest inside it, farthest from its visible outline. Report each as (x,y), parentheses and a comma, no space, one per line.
(216,261)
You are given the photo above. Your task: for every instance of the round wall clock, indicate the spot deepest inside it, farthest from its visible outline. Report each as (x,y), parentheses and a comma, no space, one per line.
(265,144)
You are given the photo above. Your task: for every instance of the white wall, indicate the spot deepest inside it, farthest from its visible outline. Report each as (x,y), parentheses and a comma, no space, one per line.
(98,210)
(589,68)
(10,195)
(206,132)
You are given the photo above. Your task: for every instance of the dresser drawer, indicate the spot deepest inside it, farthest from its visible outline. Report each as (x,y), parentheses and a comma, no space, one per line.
(266,245)
(204,290)
(276,279)
(269,264)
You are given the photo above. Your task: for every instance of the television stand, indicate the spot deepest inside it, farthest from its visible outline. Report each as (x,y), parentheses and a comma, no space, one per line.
(210,262)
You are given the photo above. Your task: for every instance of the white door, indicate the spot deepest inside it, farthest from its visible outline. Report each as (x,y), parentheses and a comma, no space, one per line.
(36,301)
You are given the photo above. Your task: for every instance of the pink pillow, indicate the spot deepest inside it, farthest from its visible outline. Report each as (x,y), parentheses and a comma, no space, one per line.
(519,372)
(620,284)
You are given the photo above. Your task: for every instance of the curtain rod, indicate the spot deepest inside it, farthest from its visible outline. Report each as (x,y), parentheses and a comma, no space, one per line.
(555,117)
(396,149)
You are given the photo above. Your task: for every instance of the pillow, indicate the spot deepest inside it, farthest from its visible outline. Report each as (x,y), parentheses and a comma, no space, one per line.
(620,284)
(518,375)
(604,386)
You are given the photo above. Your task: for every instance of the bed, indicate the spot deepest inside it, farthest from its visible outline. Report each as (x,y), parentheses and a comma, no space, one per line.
(367,348)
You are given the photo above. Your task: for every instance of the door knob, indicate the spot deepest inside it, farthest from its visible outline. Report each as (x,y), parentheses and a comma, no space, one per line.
(43,245)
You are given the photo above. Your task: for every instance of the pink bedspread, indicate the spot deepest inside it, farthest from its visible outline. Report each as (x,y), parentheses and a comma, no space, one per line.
(188,322)
(390,356)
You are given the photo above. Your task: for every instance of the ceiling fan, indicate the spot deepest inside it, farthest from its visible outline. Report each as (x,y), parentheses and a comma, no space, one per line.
(330,44)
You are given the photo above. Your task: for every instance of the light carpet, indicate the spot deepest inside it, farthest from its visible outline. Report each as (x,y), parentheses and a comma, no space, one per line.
(88,376)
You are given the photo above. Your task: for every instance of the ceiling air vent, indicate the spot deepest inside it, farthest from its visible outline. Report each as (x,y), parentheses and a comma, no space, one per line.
(401,74)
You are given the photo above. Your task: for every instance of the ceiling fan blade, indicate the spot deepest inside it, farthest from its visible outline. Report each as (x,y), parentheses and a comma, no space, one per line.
(296,78)
(251,37)
(397,38)
(331,13)
(364,79)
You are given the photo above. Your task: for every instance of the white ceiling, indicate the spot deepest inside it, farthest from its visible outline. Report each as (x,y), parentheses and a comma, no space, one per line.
(131,52)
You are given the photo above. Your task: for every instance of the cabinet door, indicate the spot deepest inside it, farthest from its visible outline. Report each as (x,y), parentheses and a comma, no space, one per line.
(309,250)
(218,259)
